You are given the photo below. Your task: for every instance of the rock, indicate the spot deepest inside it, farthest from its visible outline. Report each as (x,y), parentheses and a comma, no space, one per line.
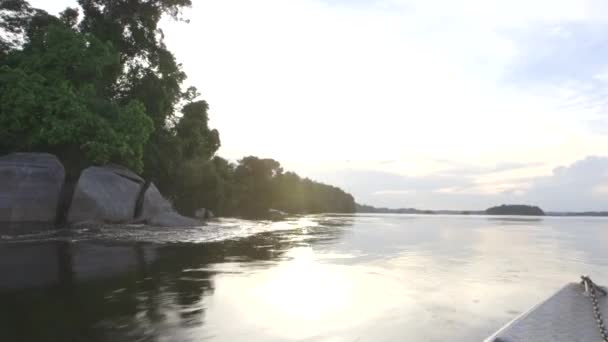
(105,194)
(116,195)
(154,203)
(204,214)
(30,187)
(31,190)
(157,211)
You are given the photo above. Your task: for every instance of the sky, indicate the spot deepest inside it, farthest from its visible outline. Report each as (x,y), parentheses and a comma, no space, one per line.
(433,104)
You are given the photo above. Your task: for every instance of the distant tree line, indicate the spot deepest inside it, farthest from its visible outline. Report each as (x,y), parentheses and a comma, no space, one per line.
(364,208)
(505,209)
(98,85)
(580,213)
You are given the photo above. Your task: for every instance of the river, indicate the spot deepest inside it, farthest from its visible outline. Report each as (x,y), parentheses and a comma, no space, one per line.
(315,278)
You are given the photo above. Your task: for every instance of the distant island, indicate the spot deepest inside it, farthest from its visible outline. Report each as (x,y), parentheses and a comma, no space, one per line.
(521,209)
(515,209)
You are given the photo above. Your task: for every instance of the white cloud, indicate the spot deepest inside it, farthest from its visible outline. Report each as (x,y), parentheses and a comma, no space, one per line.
(581,186)
(315,84)
(574,187)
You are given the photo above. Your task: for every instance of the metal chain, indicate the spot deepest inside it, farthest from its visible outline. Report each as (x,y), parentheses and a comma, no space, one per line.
(592,289)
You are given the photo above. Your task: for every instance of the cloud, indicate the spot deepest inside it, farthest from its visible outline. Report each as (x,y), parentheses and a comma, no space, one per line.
(393,190)
(562,52)
(581,186)
(313,83)
(566,61)
(456,168)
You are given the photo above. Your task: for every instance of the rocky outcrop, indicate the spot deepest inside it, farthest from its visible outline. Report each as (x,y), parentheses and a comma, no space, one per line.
(116,195)
(30,187)
(153,203)
(157,211)
(105,194)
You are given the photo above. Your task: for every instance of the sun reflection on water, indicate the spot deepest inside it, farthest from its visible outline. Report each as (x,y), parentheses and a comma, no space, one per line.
(305,296)
(304,289)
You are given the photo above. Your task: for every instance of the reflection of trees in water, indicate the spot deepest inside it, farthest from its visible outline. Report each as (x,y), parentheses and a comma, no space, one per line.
(93,291)
(514,220)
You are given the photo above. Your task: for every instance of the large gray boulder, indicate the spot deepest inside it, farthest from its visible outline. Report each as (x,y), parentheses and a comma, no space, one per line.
(112,194)
(30,187)
(157,211)
(105,194)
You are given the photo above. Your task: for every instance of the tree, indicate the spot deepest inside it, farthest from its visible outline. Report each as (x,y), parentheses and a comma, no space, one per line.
(254,185)
(147,70)
(203,183)
(197,140)
(51,100)
(290,194)
(297,195)
(15,16)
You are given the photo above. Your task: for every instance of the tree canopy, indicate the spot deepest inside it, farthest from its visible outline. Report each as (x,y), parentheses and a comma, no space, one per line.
(50,99)
(252,186)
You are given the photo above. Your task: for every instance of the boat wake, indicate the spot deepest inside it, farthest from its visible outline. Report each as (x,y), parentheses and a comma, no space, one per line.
(213,231)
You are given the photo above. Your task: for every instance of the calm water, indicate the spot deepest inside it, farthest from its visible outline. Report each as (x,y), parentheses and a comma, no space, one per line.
(318,278)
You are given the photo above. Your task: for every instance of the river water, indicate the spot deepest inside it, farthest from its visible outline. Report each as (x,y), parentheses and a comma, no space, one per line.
(315,278)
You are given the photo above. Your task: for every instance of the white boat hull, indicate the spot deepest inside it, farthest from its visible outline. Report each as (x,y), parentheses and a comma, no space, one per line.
(567,316)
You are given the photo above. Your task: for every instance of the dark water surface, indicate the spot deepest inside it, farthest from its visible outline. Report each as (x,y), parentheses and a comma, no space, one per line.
(318,278)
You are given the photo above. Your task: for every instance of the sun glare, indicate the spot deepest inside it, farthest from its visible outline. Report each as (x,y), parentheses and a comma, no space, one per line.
(303,289)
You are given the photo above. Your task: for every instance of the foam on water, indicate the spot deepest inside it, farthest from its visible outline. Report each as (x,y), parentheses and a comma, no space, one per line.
(213,231)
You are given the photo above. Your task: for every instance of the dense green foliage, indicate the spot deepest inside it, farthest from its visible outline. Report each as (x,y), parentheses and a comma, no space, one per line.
(252,186)
(515,209)
(104,88)
(49,99)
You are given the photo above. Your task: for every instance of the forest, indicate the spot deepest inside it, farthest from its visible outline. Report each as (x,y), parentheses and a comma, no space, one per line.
(97,84)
